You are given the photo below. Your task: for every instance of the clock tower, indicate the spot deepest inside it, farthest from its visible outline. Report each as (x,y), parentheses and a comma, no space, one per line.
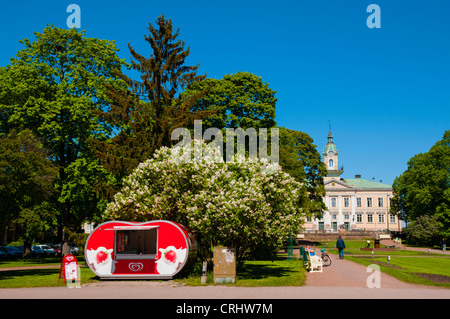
(330,158)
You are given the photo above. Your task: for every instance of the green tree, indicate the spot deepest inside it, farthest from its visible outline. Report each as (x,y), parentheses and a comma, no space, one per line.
(239,100)
(424,188)
(54,87)
(424,230)
(26,186)
(146,112)
(299,158)
(244,100)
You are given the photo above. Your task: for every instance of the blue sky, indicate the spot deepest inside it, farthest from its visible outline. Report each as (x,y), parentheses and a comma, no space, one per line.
(385,91)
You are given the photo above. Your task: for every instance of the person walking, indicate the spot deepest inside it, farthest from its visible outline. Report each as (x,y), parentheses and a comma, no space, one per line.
(340,245)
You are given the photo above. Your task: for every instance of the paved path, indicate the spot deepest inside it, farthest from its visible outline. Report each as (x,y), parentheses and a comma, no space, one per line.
(342,280)
(344,273)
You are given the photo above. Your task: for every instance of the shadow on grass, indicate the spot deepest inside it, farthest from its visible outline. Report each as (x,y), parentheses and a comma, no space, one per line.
(262,271)
(11,274)
(25,262)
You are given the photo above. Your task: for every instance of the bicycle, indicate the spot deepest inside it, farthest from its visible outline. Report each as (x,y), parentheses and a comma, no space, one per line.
(326,259)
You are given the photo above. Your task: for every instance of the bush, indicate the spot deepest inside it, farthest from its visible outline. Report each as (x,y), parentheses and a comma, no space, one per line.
(243,204)
(424,231)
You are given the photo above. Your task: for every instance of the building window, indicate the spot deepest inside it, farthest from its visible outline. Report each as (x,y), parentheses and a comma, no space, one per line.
(359,218)
(136,244)
(392,218)
(331,163)
(346,216)
(381,218)
(333,216)
(358,202)
(346,202)
(333,201)
(370,218)
(380,201)
(369,201)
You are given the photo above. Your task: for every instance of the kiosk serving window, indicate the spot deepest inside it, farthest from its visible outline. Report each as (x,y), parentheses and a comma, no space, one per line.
(138,243)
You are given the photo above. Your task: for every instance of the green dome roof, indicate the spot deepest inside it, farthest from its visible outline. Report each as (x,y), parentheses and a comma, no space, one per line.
(330,145)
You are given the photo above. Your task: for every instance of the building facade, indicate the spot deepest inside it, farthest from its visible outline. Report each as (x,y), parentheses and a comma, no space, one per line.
(352,203)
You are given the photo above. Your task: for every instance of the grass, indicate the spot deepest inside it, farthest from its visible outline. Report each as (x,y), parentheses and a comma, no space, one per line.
(281,272)
(411,269)
(405,265)
(40,277)
(262,273)
(272,274)
(44,261)
(354,248)
(47,277)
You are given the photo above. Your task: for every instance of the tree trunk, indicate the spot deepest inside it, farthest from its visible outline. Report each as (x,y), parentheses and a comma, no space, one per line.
(27,249)
(65,247)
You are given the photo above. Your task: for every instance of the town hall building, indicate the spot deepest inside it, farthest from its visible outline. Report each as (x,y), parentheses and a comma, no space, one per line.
(352,203)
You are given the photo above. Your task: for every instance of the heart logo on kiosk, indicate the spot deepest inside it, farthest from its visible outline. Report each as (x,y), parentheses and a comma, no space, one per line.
(135,266)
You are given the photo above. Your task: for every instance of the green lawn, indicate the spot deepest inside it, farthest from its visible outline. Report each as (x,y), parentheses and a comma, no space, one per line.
(41,277)
(262,273)
(47,277)
(409,265)
(414,270)
(280,272)
(33,262)
(267,273)
(406,265)
(354,248)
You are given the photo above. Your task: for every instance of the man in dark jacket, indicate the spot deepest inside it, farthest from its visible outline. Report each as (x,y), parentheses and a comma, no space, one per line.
(340,245)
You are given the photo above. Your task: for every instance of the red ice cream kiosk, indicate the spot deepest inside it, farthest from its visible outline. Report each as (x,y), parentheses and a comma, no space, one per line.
(129,250)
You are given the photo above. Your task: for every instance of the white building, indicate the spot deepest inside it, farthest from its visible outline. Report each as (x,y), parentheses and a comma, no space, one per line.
(352,203)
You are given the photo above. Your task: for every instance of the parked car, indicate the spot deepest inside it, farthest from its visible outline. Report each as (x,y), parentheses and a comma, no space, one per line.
(48,250)
(56,248)
(38,252)
(73,249)
(12,252)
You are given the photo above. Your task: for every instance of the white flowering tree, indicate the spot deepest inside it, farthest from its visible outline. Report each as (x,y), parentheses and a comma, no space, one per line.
(244,204)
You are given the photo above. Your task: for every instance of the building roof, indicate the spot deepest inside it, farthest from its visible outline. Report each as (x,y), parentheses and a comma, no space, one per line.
(364,183)
(330,146)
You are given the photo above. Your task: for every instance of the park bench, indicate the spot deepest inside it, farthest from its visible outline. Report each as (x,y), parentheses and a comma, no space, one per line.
(384,236)
(316,263)
(311,263)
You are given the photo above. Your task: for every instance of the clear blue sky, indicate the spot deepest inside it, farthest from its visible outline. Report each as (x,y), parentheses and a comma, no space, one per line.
(386,91)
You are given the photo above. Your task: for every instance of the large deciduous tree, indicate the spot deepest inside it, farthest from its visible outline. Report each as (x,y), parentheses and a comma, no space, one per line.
(424,188)
(299,158)
(26,186)
(54,86)
(239,100)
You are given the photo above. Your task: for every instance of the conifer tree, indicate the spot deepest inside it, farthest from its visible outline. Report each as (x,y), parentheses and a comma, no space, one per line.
(145,114)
